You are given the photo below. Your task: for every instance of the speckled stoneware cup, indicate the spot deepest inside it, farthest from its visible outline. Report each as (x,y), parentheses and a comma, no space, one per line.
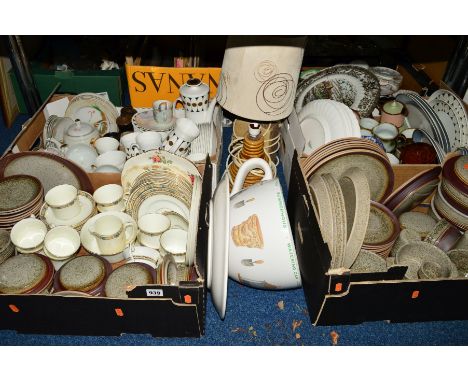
(431,270)
(128,276)
(417,221)
(460,258)
(444,235)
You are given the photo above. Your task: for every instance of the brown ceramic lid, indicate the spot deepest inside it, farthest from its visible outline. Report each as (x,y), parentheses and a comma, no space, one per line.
(22,273)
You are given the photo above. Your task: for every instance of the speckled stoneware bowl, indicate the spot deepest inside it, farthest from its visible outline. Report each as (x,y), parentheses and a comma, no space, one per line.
(84,274)
(417,221)
(444,235)
(128,276)
(431,270)
(406,236)
(460,258)
(26,274)
(382,227)
(368,262)
(414,254)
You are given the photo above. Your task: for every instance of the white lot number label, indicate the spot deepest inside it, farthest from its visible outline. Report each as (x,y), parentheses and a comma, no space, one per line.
(154,292)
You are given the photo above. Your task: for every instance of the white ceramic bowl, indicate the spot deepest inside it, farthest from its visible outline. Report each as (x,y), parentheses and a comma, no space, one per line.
(107,168)
(28,235)
(386,131)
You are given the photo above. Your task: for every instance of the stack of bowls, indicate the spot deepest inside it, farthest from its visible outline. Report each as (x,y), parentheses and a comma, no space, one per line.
(20,197)
(7,248)
(451,200)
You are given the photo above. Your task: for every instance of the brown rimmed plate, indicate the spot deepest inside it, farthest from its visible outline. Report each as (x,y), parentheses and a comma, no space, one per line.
(50,169)
(413,192)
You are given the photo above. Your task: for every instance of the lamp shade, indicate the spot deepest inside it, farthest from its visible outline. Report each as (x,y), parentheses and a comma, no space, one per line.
(259,76)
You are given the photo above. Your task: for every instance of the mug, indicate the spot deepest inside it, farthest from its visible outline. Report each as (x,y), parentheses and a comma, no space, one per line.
(128,142)
(179,141)
(63,201)
(149,140)
(174,242)
(151,228)
(393,113)
(162,112)
(387,134)
(111,234)
(109,198)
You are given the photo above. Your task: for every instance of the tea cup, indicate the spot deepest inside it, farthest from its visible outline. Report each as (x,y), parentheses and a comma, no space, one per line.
(128,143)
(162,111)
(111,234)
(151,227)
(387,134)
(141,254)
(174,242)
(179,141)
(149,140)
(109,198)
(368,123)
(63,201)
(60,244)
(114,158)
(106,144)
(28,235)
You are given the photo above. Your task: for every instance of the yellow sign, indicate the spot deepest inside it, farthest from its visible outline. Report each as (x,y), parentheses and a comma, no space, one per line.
(147,84)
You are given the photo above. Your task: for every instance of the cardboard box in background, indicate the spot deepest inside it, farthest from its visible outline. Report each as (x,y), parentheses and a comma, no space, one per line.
(149,83)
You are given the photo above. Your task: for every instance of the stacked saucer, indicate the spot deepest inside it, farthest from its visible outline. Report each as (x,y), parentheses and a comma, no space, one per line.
(7,248)
(338,156)
(20,197)
(382,231)
(451,200)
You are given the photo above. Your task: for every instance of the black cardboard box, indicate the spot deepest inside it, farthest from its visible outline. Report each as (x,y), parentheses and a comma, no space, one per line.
(335,299)
(178,311)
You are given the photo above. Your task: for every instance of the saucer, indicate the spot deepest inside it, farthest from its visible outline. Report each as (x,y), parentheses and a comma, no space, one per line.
(88,207)
(89,241)
(162,204)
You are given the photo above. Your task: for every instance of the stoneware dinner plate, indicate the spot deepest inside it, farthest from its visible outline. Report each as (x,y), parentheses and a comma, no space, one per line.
(50,169)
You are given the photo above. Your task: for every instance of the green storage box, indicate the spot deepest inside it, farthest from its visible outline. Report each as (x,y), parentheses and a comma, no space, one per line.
(73,82)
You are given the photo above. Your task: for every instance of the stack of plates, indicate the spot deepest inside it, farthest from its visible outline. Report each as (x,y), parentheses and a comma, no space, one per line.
(451,200)
(20,197)
(325,120)
(7,248)
(352,85)
(421,116)
(337,157)
(382,231)
(452,113)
